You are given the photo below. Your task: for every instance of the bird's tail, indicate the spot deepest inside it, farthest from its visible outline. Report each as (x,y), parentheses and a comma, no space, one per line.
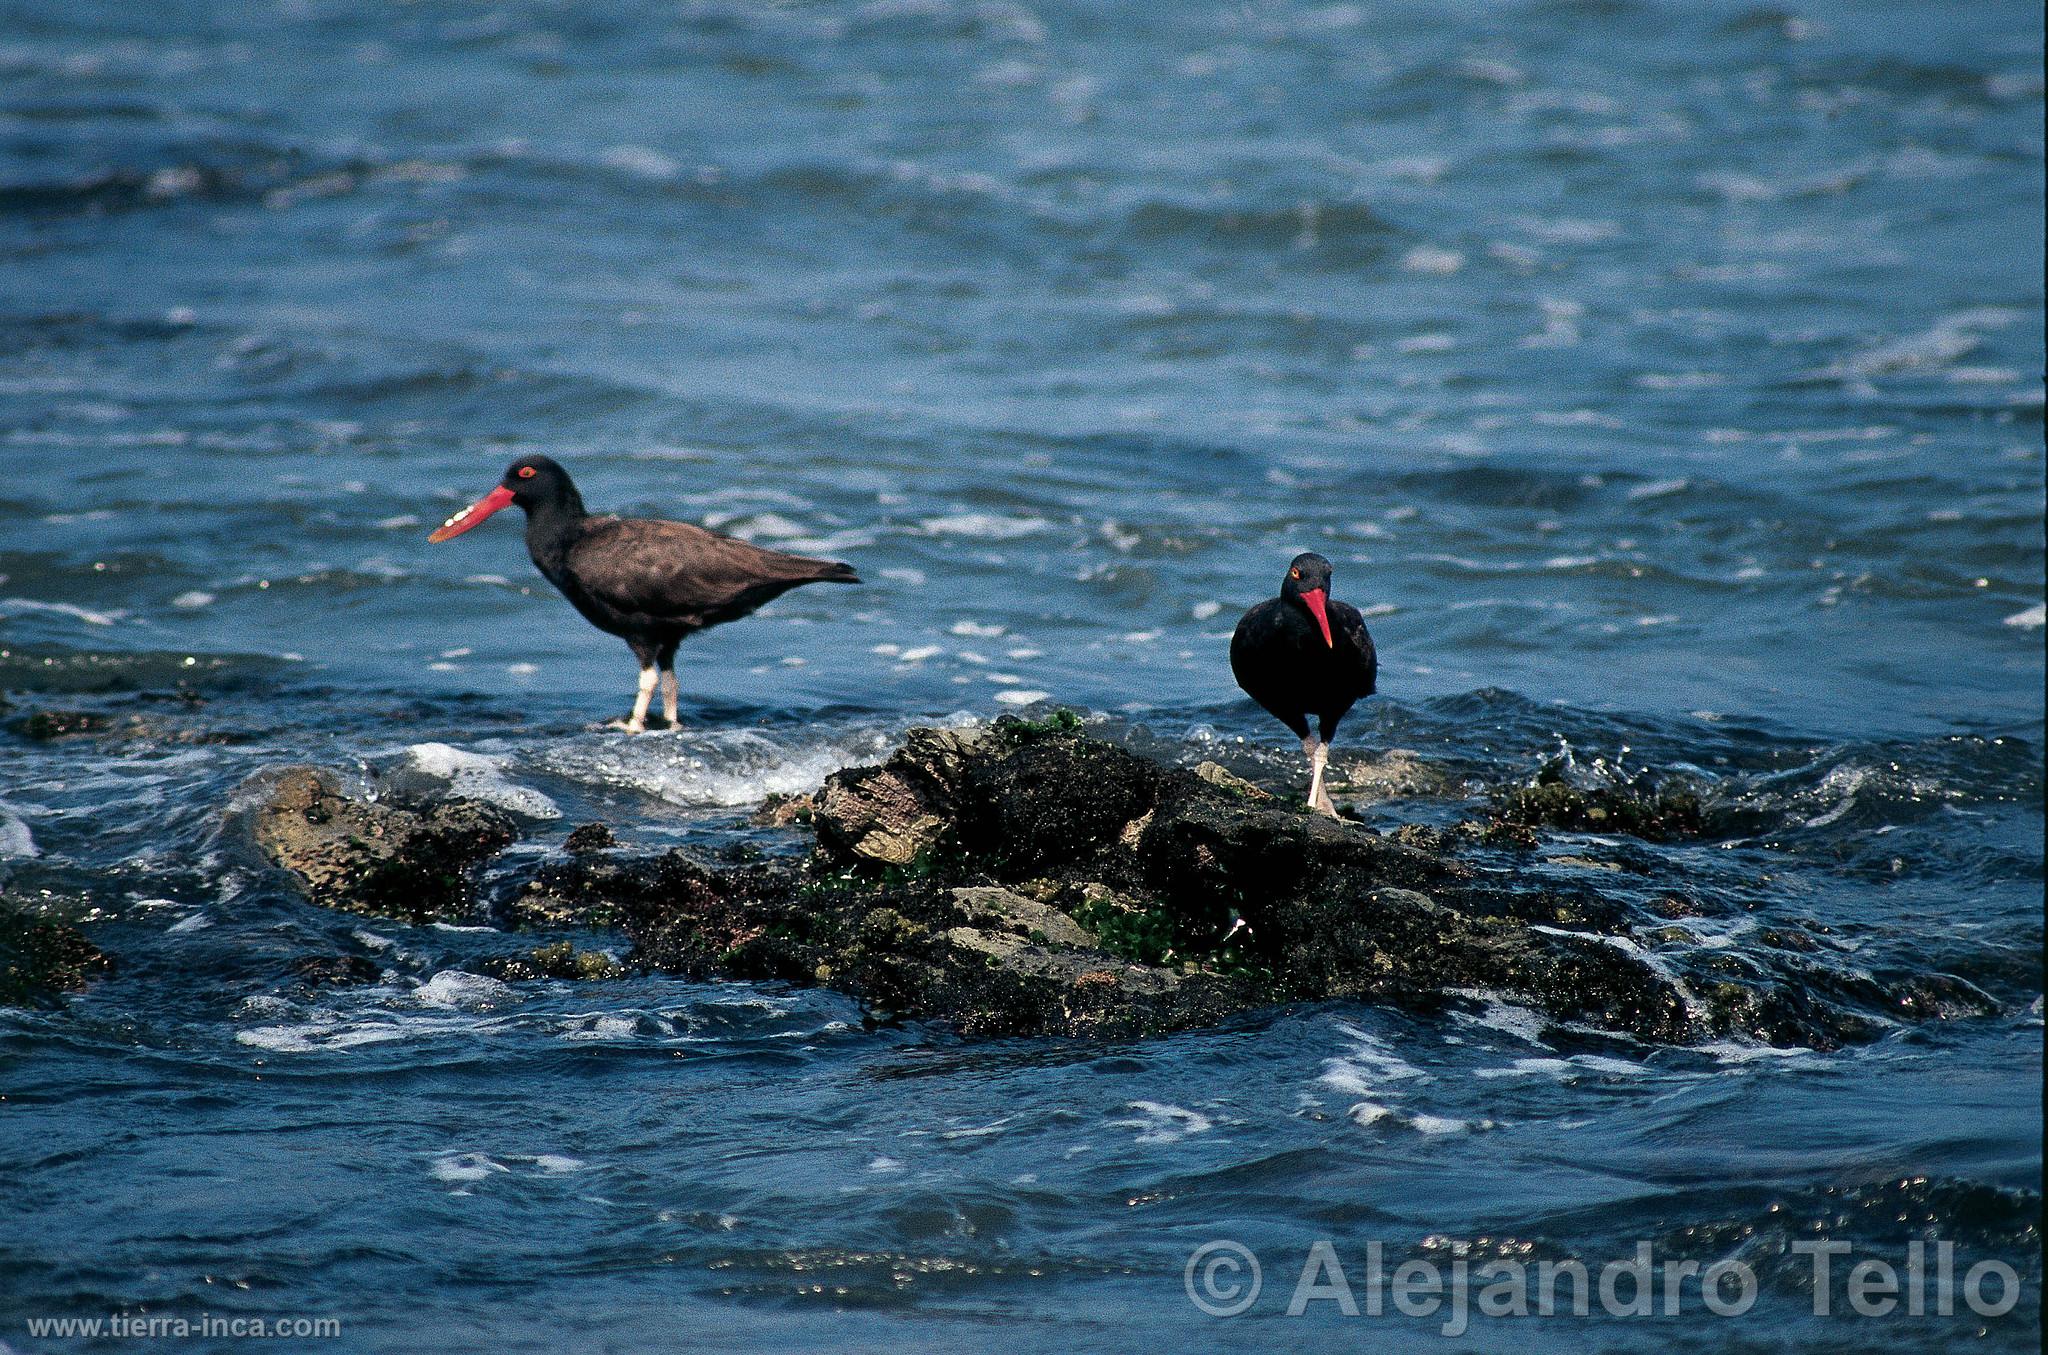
(837,573)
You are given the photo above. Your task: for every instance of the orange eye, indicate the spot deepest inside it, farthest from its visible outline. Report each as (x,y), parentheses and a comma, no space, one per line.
(1294,573)
(526,473)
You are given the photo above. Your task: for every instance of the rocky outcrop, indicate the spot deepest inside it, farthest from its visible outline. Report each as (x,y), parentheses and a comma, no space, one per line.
(1029,879)
(364,856)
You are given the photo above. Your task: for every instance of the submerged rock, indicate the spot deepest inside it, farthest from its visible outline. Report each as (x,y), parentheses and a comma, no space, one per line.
(366,857)
(561,960)
(41,958)
(1653,812)
(68,726)
(1029,879)
(47,726)
(334,971)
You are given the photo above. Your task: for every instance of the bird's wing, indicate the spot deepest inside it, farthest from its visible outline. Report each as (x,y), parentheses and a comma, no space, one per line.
(1347,628)
(1254,666)
(674,569)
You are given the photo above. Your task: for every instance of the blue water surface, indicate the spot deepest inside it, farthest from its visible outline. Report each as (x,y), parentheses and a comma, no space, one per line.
(1663,379)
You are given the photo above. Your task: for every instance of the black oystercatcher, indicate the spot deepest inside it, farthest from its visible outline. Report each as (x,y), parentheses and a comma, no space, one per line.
(1305,653)
(646,580)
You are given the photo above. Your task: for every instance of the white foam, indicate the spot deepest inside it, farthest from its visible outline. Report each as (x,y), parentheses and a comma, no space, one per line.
(15,839)
(2030,619)
(725,767)
(1657,489)
(1524,1023)
(556,1164)
(193,600)
(602,1026)
(748,526)
(1737,1053)
(977,629)
(1442,1124)
(643,161)
(314,1036)
(1432,259)
(91,618)
(990,526)
(1020,696)
(1561,1069)
(1844,782)
(1162,1123)
(1368,1113)
(465,1168)
(1202,611)
(1363,1070)
(456,990)
(480,776)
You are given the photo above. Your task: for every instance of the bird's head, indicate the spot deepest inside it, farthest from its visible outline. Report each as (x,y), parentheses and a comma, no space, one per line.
(1308,585)
(529,482)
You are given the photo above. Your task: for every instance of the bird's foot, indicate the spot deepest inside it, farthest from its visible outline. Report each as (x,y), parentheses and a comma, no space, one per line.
(630,726)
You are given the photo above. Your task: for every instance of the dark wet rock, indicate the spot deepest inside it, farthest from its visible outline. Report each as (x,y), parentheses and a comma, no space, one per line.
(1677,905)
(1781,1014)
(990,961)
(1040,881)
(1423,838)
(363,856)
(590,837)
(561,960)
(1937,997)
(42,957)
(595,891)
(1029,879)
(1500,833)
(334,971)
(46,726)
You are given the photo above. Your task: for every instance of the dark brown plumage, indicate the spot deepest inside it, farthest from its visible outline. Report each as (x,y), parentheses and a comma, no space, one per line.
(649,581)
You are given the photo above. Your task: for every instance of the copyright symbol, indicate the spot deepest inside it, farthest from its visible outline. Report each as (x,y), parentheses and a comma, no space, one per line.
(1217,1281)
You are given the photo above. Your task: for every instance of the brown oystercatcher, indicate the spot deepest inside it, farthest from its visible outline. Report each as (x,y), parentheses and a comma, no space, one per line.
(1305,654)
(646,580)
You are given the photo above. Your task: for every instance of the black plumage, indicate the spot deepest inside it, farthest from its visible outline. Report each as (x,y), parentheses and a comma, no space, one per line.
(649,581)
(1304,655)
